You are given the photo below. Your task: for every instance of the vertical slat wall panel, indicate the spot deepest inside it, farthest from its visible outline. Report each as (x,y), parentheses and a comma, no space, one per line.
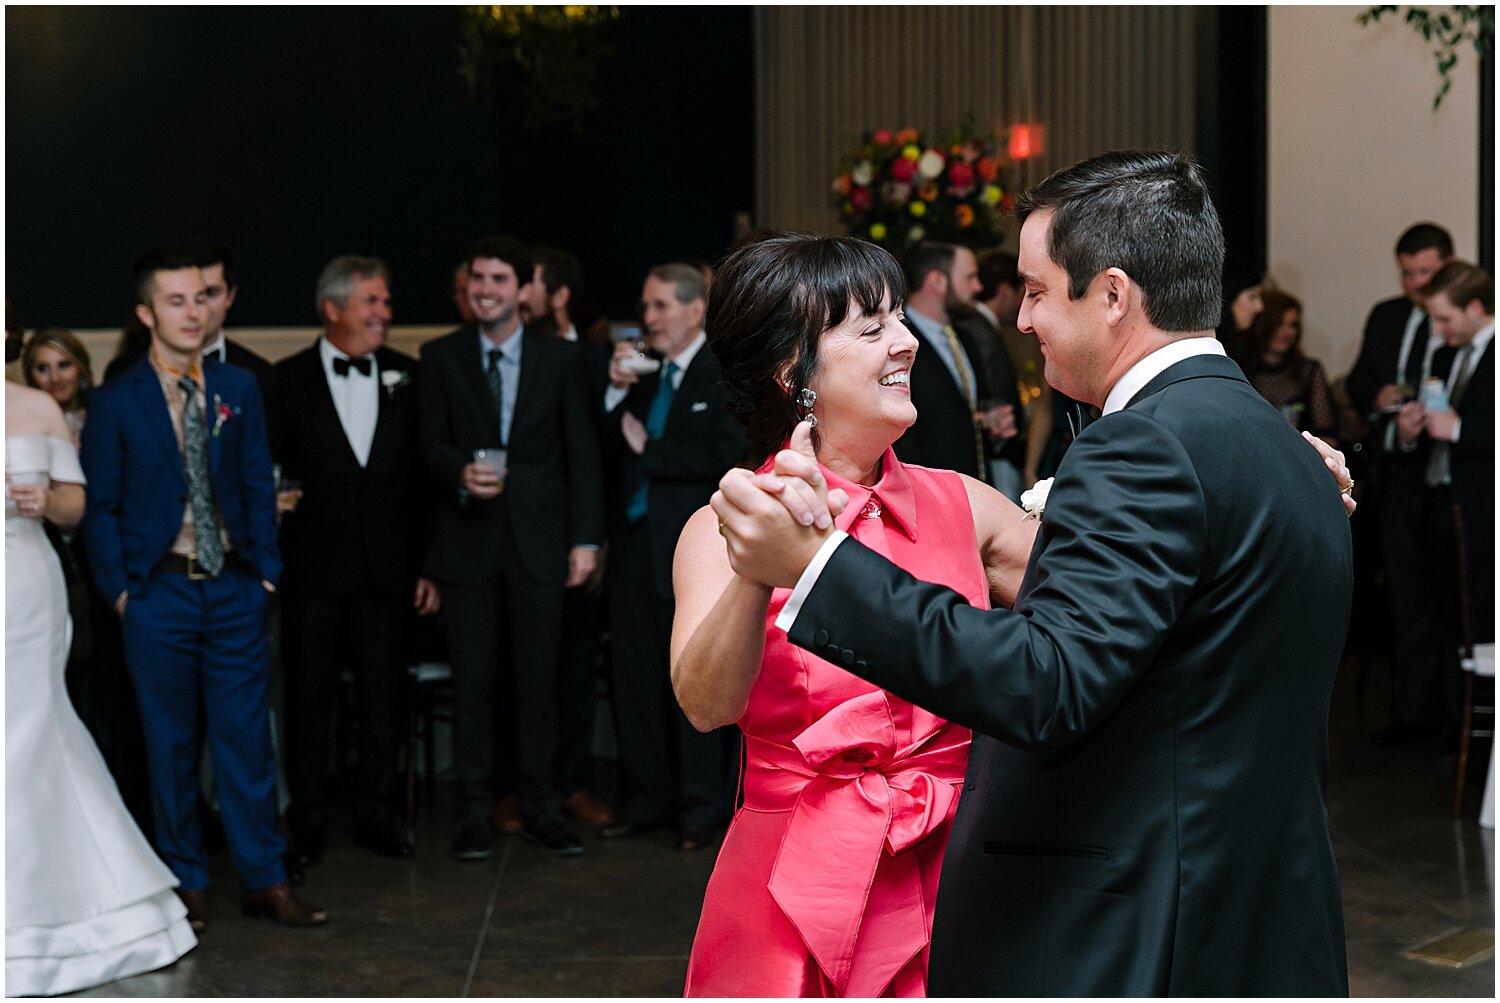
(1097,78)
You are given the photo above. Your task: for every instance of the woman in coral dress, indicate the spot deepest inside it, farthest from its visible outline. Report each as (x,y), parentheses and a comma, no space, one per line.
(827,879)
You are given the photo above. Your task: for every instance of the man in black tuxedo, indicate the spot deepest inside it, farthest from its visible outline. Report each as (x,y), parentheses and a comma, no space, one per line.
(352,548)
(943,280)
(1399,352)
(556,282)
(1143,812)
(677,439)
(1460,300)
(512,531)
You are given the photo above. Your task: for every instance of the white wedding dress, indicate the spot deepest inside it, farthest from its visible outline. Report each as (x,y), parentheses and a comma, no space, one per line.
(87,901)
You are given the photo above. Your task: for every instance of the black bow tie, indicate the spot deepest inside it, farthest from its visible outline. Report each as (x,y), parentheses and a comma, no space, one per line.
(342,366)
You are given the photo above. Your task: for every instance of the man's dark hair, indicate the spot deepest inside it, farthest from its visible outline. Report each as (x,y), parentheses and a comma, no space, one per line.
(996,269)
(559,269)
(159,259)
(507,249)
(1464,283)
(1426,236)
(928,256)
(1148,213)
(772,300)
(207,253)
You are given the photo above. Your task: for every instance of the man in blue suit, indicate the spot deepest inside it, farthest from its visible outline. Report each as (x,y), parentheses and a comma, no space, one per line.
(181,534)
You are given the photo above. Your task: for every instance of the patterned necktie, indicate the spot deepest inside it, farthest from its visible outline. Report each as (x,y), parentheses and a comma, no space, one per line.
(656,423)
(982,468)
(1440,461)
(497,389)
(195,459)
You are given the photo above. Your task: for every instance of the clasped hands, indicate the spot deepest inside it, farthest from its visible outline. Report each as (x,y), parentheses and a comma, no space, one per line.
(1413,419)
(775,522)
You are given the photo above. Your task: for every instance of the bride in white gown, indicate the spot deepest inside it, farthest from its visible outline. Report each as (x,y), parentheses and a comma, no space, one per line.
(86,899)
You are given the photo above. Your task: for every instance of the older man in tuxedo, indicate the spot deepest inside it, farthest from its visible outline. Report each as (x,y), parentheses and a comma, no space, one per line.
(352,548)
(1143,811)
(181,533)
(515,526)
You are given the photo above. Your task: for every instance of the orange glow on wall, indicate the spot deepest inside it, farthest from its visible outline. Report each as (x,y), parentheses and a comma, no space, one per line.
(1025,140)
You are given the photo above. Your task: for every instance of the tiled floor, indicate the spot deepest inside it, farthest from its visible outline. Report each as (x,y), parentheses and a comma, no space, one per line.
(619,920)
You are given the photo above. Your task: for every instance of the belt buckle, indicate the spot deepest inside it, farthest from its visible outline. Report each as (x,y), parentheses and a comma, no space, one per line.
(195,570)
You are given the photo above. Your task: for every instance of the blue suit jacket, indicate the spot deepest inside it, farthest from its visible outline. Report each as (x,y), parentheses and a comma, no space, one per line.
(137,486)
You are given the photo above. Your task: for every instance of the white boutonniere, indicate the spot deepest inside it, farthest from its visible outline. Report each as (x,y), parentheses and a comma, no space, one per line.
(1034,502)
(222,413)
(393,379)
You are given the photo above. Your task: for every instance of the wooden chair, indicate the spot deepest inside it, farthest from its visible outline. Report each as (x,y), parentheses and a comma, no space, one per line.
(1474,662)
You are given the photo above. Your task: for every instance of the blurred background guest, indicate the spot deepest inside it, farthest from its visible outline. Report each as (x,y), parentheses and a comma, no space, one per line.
(55,361)
(1000,303)
(1277,368)
(1242,304)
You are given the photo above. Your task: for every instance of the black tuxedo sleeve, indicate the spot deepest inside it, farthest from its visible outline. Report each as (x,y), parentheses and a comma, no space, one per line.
(585,468)
(435,436)
(1117,558)
(1372,369)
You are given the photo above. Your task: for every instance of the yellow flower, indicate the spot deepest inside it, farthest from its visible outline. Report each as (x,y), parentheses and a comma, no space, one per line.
(877,231)
(992,194)
(912,152)
(917,209)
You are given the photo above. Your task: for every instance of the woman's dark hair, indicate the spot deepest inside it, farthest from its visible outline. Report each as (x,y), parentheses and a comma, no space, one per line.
(1264,327)
(771,301)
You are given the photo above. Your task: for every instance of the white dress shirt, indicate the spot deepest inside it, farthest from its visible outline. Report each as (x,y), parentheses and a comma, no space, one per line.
(356,398)
(1134,380)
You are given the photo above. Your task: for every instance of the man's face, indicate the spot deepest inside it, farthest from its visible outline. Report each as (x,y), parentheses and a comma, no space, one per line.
(361,325)
(1417,270)
(1072,334)
(175,315)
(1455,326)
(963,280)
(670,326)
(220,299)
(534,300)
(494,292)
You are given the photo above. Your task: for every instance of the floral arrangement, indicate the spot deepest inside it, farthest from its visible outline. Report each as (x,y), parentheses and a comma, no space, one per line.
(899,189)
(222,413)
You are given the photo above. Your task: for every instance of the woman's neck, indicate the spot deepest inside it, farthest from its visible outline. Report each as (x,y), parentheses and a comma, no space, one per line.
(858,464)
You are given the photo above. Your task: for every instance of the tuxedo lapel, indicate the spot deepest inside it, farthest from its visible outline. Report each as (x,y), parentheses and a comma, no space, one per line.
(317,394)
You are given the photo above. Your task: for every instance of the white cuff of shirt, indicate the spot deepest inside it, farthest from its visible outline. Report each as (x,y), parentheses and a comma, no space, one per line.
(788,614)
(613,395)
(1458,429)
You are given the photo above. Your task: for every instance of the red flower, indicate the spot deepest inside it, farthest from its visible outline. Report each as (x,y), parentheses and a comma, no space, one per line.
(907,135)
(988,168)
(1007,203)
(960,175)
(860,198)
(903,169)
(883,137)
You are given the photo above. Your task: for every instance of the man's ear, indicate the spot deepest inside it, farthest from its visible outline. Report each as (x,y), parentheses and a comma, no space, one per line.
(230,295)
(331,312)
(698,308)
(145,316)
(1120,295)
(561,298)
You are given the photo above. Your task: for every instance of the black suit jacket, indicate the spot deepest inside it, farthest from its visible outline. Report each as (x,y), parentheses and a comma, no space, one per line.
(1473,487)
(553,495)
(1143,813)
(1000,373)
(1379,354)
(354,524)
(700,442)
(943,435)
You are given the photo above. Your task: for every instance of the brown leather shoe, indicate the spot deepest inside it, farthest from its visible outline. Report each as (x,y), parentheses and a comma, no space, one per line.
(588,809)
(506,816)
(280,904)
(197,907)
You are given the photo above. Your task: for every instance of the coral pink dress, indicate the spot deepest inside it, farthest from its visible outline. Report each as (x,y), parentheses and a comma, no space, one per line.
(827,879)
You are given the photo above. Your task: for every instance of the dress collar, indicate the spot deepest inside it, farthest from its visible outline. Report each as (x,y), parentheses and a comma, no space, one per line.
(892,494)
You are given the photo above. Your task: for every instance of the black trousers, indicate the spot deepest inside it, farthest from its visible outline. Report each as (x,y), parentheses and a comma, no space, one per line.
(673,772)
(1421,643)
(504,636)
(583,625)
(366,633)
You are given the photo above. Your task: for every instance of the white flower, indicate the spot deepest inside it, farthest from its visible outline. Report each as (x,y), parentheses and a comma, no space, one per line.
(917,233)
(391,379)
(931,164)
(863,173)
(1035,500)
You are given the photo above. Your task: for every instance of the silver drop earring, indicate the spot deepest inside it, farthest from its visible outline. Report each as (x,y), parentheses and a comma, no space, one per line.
(806,398)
